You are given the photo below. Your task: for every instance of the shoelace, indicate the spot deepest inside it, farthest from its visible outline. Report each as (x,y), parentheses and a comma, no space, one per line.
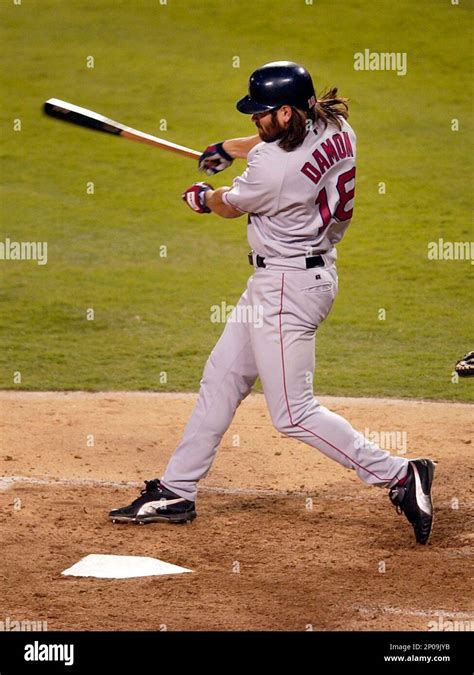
(150,485)
(394,498)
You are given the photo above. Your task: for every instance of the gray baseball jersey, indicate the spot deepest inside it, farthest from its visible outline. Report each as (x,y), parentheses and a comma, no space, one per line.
(301,199)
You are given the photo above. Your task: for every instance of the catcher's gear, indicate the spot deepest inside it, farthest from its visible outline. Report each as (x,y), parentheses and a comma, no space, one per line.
(465,366)
(194,197)
(214,159)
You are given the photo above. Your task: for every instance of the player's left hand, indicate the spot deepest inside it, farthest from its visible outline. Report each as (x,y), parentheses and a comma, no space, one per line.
(214,159)
(194,197)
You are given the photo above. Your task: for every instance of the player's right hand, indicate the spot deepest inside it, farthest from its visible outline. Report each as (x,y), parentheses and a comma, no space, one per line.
(214,159)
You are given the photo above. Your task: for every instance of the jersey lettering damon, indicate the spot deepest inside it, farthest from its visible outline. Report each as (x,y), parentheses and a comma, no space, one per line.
(333,150)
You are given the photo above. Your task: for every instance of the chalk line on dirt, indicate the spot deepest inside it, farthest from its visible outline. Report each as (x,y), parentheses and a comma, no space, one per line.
(401,611)
(6,482)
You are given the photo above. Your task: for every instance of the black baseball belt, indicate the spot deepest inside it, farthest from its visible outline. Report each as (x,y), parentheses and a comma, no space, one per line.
(311,260)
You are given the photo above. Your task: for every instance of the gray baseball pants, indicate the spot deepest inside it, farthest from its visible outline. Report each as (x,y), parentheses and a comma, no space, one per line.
(271,335)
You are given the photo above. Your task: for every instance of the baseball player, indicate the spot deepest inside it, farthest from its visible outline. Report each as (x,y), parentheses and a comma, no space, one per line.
(298,195)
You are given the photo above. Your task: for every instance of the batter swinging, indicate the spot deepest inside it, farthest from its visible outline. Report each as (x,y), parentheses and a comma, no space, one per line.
(298,191)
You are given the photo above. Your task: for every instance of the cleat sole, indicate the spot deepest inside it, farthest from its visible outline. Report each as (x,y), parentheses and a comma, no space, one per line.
(174,519)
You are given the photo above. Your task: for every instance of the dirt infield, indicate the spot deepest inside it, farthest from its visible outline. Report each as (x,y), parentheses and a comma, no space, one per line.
(285,538)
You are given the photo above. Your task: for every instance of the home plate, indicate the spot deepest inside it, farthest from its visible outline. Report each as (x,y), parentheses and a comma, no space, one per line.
(121,567)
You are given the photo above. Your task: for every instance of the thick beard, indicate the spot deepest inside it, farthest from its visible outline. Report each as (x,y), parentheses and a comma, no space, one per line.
(274,133)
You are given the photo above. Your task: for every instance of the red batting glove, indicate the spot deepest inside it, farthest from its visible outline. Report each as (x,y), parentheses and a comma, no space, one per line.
(194,197)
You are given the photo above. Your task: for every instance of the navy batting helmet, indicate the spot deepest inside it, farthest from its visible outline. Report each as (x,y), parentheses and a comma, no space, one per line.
(275,84)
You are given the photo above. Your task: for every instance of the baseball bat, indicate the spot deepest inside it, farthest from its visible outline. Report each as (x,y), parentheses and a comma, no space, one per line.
(68,112)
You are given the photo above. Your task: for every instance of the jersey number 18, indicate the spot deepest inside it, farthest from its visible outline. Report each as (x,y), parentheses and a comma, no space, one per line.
(345,196)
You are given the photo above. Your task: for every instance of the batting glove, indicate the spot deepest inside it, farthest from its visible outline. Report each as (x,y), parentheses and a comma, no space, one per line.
(194,197)
(214,159)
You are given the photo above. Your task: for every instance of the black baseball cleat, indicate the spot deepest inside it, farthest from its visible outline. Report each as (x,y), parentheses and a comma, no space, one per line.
(156,504)
(413,497)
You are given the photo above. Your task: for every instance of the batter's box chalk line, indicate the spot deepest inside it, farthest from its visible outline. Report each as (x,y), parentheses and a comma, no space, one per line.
(6,482)
(401,611)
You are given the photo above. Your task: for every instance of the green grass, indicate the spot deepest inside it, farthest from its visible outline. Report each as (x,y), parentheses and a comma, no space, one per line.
(175,62)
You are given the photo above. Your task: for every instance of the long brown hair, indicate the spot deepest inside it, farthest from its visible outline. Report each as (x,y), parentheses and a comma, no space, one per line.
(329,108)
